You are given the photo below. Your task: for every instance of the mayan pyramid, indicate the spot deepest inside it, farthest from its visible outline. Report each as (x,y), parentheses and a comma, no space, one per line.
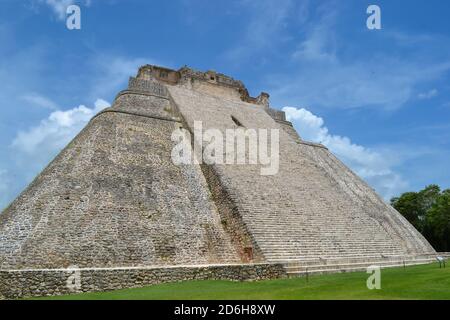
(114,198)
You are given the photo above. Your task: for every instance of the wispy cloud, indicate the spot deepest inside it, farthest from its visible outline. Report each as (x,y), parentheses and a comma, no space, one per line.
(320,45)
(110,73)
(321,63)
(54,132)
(323,74)
(59,7)
(375,166)
(266,21)
(428,95)
(40,101)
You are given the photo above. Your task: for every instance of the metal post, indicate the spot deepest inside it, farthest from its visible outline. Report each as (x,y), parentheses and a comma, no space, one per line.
(307,275)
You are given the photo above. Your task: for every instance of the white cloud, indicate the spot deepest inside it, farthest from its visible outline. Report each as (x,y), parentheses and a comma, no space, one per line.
(111,73)
(320,44)
(40,101)
(32,149)
(428,95)
(266,21)
(59,7)
(26,152)
(56,131)
(375,166)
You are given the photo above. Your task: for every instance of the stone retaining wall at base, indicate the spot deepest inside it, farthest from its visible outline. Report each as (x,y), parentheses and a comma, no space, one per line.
(48,282)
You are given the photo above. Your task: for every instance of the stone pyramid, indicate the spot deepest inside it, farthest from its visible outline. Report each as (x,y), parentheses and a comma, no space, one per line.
(114,198)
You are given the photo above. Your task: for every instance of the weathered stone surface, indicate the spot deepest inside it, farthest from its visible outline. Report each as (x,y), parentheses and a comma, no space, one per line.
(31,283)
(114,199)
(314,206)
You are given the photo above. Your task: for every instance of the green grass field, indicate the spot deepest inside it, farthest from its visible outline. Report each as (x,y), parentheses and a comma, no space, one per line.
(415,282)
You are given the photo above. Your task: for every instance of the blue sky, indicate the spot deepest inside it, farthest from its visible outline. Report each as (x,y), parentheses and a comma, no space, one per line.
(379,99)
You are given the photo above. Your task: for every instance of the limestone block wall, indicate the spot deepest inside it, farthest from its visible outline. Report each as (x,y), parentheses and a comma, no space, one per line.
(32,283)
(113,198)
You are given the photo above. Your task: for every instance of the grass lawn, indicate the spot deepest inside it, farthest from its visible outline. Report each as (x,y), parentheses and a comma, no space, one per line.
(415,282)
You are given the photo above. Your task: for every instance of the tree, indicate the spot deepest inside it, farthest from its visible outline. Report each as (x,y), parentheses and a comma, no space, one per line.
(415,205)
(429,212)
(438,221)
(428,196)
(409,205)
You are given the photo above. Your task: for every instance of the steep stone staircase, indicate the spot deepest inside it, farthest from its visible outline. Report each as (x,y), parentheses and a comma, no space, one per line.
(446,255)
(296,268)
(313,207)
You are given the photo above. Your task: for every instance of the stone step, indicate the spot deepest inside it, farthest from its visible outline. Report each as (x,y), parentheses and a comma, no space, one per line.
(272,239)
(325,253)
(325,243)
(277,234)
(321,246)
(298,228)
(308,240)
(315,260)
(318,252)
(322,252)
(351,268)
(295,269)
(444,254)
